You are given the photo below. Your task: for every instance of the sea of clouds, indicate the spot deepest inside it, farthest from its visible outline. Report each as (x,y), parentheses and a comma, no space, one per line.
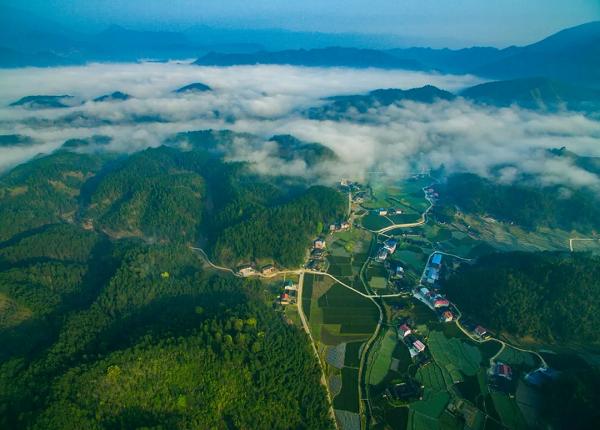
(266,100)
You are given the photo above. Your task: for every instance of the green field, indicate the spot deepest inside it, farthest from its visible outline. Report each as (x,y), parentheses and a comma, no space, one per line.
(509,411)
(424,414)
(515,357)
(344,315)
(454,355)
(383,358)
(307,291)
(434,378)
(372,221)
(352,357)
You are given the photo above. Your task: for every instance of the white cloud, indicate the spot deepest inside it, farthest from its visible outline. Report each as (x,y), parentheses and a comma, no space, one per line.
(268,100)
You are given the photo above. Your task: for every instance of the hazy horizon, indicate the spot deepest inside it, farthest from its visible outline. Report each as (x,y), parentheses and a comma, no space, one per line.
(381,22)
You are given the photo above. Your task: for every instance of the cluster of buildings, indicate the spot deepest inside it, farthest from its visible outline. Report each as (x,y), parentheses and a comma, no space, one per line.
(415,346)
(388,211)
(249,270)
(388,247)
(289,295)
(339,226)
(431,275)
(317,255)
(436,302)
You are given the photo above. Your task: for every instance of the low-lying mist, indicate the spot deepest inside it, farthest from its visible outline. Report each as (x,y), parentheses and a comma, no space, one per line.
(505,143)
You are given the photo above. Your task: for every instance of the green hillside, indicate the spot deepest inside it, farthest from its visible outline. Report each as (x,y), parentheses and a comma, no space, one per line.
(535,93)
(97,336)
(543,295)
(530,206)
(342,107)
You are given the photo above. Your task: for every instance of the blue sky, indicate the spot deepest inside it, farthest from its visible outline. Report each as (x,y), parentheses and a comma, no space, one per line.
(435,22)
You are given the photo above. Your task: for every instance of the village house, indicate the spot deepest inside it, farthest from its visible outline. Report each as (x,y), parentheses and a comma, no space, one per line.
(269,269)
(246,270)
(319,244)
(502,370)
(480,332)
(403,331)
(382,254)
(440,302)
(382,212)
(418,345)
(390,245)
(284,299)
(447,316)
(289,286)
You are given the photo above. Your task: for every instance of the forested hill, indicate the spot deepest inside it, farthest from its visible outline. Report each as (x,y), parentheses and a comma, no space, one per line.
(101,334)
(173,195)
(548,296)
(108,320)
(344,107)
(529,206)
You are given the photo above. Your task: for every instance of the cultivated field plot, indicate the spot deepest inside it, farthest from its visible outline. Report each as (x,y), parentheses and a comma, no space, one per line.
(373,221)
(335,355)
(307,291)
(425,414)
(509,411)
(434,378)
(412,258)
(454,355)
(338,314)
(383,358)
(352,356)
(340,267)
(347,399)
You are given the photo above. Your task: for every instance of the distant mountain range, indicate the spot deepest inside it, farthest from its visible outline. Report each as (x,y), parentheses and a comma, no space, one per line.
(572,55)
(531,93)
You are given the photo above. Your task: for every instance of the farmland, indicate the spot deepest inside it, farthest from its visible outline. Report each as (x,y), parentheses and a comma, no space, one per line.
(453,369)
(383,358)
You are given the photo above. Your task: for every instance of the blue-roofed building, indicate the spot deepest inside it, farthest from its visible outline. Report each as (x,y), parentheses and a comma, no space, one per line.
(436,259)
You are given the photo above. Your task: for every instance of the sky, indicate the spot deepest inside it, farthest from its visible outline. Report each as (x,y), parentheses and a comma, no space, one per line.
(437,23)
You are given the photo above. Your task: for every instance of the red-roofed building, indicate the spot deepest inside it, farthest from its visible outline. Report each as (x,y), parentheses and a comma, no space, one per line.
(419,346)
(440,303)
(404,330)
(503,370)
(447,316)
(284,299)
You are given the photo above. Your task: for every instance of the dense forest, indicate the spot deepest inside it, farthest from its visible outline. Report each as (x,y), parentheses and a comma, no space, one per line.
(549,296)
(108,320)
(529,206)
(175,194)
(104,334)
